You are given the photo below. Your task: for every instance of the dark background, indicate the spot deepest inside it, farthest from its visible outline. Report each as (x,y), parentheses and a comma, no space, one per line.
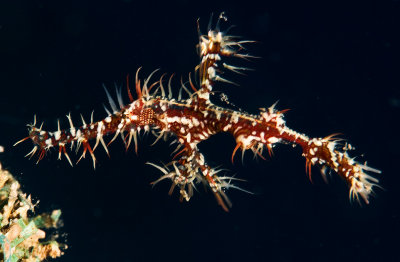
(334,64)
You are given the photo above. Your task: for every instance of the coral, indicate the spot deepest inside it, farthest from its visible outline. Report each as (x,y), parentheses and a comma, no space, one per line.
(22,236)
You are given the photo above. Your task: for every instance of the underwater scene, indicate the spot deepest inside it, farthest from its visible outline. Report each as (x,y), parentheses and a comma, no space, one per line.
(218,131)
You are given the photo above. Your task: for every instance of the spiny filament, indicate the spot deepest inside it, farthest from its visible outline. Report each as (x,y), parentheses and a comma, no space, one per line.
(194,119)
